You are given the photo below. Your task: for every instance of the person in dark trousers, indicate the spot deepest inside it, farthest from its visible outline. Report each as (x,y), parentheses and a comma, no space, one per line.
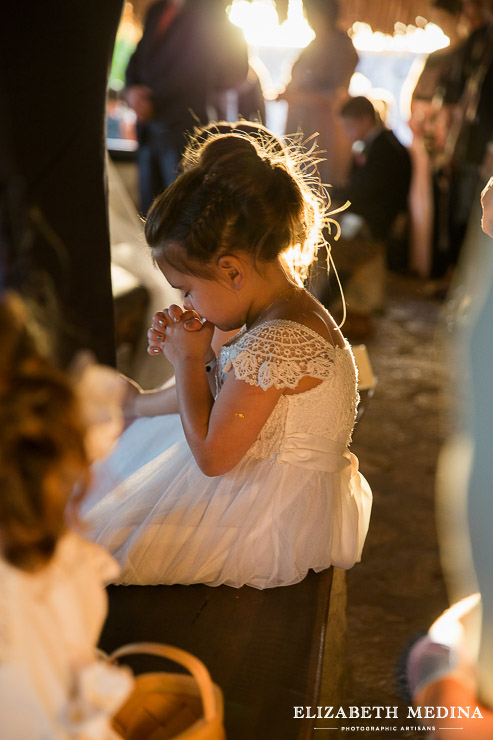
(188,52)
(54,235)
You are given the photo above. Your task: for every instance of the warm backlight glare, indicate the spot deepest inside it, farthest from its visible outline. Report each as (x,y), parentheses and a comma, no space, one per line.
(260,24)
(415,40)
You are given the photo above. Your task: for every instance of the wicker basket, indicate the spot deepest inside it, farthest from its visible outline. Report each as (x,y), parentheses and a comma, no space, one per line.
(170,706)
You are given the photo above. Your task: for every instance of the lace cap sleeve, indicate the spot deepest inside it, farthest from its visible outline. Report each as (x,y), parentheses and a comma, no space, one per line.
(280,353)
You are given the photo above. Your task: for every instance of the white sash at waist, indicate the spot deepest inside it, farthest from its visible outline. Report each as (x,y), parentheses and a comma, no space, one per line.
(314,453)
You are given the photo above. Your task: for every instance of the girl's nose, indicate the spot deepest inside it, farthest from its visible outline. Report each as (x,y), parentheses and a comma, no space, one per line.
(187,303)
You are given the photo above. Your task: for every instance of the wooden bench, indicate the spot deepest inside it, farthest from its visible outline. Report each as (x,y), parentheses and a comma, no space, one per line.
(263,648)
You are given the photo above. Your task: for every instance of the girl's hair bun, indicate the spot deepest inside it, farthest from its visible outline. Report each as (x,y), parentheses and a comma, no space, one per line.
(240,190)
(233,163)
(220,149)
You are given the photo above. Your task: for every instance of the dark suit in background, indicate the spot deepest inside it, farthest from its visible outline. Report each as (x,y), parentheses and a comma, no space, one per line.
(378,183)
(377,189)
(183,58)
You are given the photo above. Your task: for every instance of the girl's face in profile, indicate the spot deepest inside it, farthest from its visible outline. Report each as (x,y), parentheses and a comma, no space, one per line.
(214,298)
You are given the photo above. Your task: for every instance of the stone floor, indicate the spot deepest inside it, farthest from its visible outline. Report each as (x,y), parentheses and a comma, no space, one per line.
(397,590)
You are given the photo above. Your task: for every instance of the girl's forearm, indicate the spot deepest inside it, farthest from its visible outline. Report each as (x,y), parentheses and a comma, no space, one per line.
(155,403)
(195,401)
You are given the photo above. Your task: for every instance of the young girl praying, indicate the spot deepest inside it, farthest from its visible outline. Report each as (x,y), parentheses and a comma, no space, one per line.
(240,474)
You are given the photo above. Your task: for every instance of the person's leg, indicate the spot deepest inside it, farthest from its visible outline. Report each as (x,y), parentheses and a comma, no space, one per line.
(148,171)
(158,159)
(169,161)
(169,144)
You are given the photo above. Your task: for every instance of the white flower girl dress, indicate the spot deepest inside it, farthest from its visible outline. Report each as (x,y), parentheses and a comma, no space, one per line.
(295,501)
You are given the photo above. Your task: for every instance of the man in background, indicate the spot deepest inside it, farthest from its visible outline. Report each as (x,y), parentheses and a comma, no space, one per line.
(377,189)
(189,52)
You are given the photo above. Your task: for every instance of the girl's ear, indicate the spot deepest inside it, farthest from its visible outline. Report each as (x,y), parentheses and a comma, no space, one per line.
(231,270)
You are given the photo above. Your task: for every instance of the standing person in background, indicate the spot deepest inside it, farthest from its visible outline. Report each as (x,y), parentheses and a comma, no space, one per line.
(425,115)
(187,53)
(319,80)
(467,95)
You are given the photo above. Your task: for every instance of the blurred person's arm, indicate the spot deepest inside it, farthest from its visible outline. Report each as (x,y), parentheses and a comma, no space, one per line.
(136,94)
(138,403)
(139,98)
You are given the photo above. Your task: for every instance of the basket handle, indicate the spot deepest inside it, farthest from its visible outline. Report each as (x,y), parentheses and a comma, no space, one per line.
(189,661)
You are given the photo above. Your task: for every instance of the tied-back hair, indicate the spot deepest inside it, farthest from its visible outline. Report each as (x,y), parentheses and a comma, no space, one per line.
(42,453)
(239,191)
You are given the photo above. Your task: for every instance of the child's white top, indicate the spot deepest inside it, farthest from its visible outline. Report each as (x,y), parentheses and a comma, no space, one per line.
(50,622)
(295,501)
(280,353)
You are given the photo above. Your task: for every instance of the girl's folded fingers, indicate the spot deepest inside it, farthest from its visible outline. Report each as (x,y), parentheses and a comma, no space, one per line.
(175,312)
(155,340)
(160,320)
(191,321)
(154,349)
(156,336)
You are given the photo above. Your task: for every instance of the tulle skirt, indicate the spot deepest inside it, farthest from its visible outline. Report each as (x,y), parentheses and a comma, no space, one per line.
(264,523)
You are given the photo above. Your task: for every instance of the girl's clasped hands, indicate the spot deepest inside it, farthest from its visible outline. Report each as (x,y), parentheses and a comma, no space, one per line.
(180,335)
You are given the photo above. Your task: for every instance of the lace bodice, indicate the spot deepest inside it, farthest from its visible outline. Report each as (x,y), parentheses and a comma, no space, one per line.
(280,353)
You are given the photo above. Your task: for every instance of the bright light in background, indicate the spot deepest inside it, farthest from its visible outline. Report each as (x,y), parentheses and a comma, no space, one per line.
(359,85)
(260,24)
(423,39)
(274,47)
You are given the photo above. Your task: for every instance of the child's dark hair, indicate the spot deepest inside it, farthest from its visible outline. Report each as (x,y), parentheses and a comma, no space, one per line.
(358,107)
(42,452)
(239,192)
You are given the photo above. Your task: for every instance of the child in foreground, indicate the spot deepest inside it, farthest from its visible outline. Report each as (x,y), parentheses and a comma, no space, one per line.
(240,474)
(52,598)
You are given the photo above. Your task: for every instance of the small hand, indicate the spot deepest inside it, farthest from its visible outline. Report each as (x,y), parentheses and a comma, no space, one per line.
(163,324)
(139,97)
(156,335)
